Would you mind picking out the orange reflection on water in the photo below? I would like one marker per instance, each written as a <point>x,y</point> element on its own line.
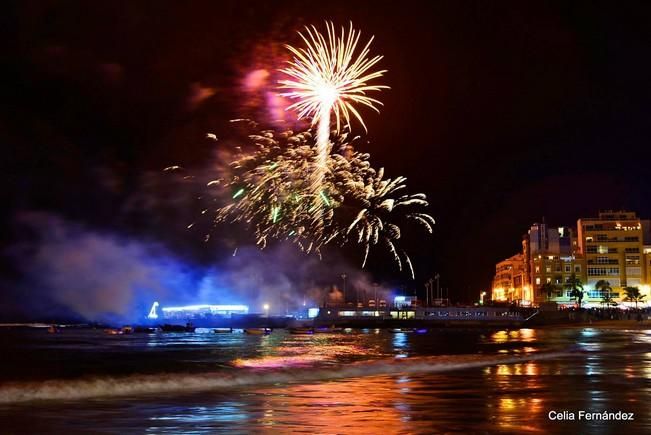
<point>629,372</point>
<point>529,369</point>
<point>348,406</point>
<point>508,404</point>
<point>299,351</point>
<point>512,411</point>
<point>524,334</point>
<point>527,334</point>
<point>269,362</point>
<point>330,350</point>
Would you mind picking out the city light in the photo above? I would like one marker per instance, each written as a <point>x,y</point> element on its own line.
<point>152,313</point>
<point>499,294</point>
<point>214,309</point>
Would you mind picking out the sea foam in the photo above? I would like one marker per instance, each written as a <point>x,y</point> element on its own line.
<point>135,385</point>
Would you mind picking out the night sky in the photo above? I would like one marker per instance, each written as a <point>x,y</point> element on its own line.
<point>501,112</point>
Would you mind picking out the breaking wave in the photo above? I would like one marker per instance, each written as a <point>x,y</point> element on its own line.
<point>186,383</point>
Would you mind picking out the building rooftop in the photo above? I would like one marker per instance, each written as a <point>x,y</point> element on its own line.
<point>610,215</point>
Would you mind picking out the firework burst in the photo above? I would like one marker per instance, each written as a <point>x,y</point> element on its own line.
<point>292,186</point>
<point>267,188</point>
<point>330,75</point>
<point>381,202</point>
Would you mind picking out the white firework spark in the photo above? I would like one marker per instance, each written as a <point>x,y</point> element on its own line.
<point>329,75</point>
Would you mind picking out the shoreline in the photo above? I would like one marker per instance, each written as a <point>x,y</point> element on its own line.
<point>605,324</point>
<point>597,324</point>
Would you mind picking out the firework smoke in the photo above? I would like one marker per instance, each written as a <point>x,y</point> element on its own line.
<point>267,187</point>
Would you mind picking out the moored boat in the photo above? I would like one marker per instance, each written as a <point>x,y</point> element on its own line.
<point>178,328</point>
<point>144,330</point>
<point>113,331</point>
<point>301,330</point>
<point>327,329</point>
<point>257,331</point>
<point>408,330</point>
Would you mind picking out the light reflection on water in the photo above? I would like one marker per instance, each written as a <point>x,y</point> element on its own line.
<point>611,370</point>
<point>523,335</point>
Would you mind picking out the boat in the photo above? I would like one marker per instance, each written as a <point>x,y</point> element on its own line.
<point>222,330</point>
<point>328,329</point>
<point>257,331</point>
<point>178,328</point>
<point>301,330</point>
<point>113,331</point>
<point>408,330</point>
<point>143,330</point>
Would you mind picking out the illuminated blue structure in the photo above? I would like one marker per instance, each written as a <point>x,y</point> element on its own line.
<point>196,311</point>
<point>153,315</point>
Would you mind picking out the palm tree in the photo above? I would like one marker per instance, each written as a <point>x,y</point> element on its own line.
<point>549,289</point>
<point>606,299</point>
<point>604,286</point>
<point>574,285</point>
<point>633,295</point>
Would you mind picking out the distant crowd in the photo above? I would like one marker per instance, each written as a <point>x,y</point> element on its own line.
<point>640,314</point>
<point>611,313</point>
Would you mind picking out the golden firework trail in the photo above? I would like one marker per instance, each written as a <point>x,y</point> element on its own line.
<point>330,75</point>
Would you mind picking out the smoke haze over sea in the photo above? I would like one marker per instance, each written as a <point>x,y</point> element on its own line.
<point>69,269</point>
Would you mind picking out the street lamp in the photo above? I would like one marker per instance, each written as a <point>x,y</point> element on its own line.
<point>344,276</point>
<point>266,309</point>
<point>429,295</point>
<point>375,284</point>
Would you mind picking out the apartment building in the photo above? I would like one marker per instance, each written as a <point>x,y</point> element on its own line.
<point>615,247</point>
<point>509,280</point>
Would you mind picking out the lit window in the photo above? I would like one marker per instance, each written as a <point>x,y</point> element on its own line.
<point>537,281</point>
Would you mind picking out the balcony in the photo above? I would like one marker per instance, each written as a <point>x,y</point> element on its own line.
<point>611,261</point>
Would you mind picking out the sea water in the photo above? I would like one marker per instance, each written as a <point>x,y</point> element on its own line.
<point>356,381</point>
